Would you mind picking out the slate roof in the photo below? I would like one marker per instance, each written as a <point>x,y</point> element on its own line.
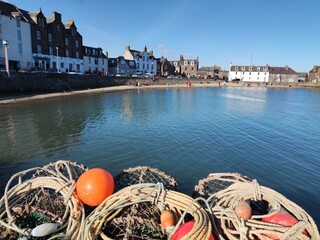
<point>10,10</point>
<point>315,69</point>
<point>136,53</point>
<point>281,70</point>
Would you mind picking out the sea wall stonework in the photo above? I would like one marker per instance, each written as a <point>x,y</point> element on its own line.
<point>26,83</point>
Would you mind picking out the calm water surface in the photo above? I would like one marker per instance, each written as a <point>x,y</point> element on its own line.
<point>268,134</point>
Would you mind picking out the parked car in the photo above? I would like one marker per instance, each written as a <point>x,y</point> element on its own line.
<point>236,80</point>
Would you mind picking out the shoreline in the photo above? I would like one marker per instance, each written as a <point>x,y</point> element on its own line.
<point>31,97</point>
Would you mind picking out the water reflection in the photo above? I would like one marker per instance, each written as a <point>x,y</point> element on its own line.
<point>266,134</point>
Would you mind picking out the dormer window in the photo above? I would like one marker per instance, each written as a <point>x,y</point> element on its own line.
<point>243,68</point>
<point>192,63</point>
<point>258,68</point>
<point>58,27</point>
<point>185,63</point>
<point>250,68</point>
<point>236,68</point>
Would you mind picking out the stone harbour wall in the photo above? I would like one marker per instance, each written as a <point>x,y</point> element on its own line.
<point>25,83</point>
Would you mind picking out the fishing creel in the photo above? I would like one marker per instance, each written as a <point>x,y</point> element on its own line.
<point>142,223</point>
<point>144,174</point>
<point>42,195</point>
<point>265,203</point>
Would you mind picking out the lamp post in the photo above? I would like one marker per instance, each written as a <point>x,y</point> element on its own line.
<point>5,44</point>
<point>57,59</point>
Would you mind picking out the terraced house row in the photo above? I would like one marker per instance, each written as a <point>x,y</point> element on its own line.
<point>39,43</point>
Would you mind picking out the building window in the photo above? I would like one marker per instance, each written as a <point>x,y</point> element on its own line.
<point>50,51</point>
<point>67,53</point>
<point>185,68</point>
<point>39,48</point>
<point>258,68</point>
<point>77,43</point>
<point>236,68</point>
<point>102,60</point>
<point>243,68</point>
<point>58,27</point>
<point>192,63</point>
<point>89,60</point>
<point>38,35</point>
<point>77,54</point>
<point>73,32</point>
<point>50,37</point>
<point>20,48</point>
<point>67,41</point>
<point>19,34</point>
<point>62,65</point>
<point>175,63</point>
<point>185,63</point>
<point>18,21</point>
<point>96,61</point>
<point>250,68</point>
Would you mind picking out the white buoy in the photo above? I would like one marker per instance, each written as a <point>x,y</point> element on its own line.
<point>44,229</point>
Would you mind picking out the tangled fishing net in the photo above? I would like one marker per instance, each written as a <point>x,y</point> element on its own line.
<point>264,202</point>
<point>144,225</point>
<point>216,182</point>
<point>42,195</point>
<point>144,174</point>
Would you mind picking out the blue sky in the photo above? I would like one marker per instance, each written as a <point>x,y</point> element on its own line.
<point>274,32</point>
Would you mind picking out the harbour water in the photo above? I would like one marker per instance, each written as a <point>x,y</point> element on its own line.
<point>272,135</point>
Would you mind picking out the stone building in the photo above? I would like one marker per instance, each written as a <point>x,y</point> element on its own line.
<point>283,74</point>
<point>210,72</point>
<point>40,43</point>
<point>164,67</point>
<point>186,67</point>
<point>314,74</point>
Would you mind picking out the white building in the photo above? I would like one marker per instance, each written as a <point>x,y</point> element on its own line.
<point>145,62</point>
<point>17,31</point>
<point>94,60</point>
<point>249,73</point>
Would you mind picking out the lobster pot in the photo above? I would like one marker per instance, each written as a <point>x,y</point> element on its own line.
<point>38,196</point>
<point>266,204</point>
<point>144,174</point>
<point>134,213</point>
<point>64,169</point>
<point>216,182</point>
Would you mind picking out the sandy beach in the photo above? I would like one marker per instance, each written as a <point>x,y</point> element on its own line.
<point>32,97</point>
<point>23,98</point>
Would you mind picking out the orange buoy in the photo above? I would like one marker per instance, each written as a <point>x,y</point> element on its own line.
<point>283,219</point>
<point>167,219</point>
<point>243,210</point>
<point>94,186</point>
<point>184,229</point>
